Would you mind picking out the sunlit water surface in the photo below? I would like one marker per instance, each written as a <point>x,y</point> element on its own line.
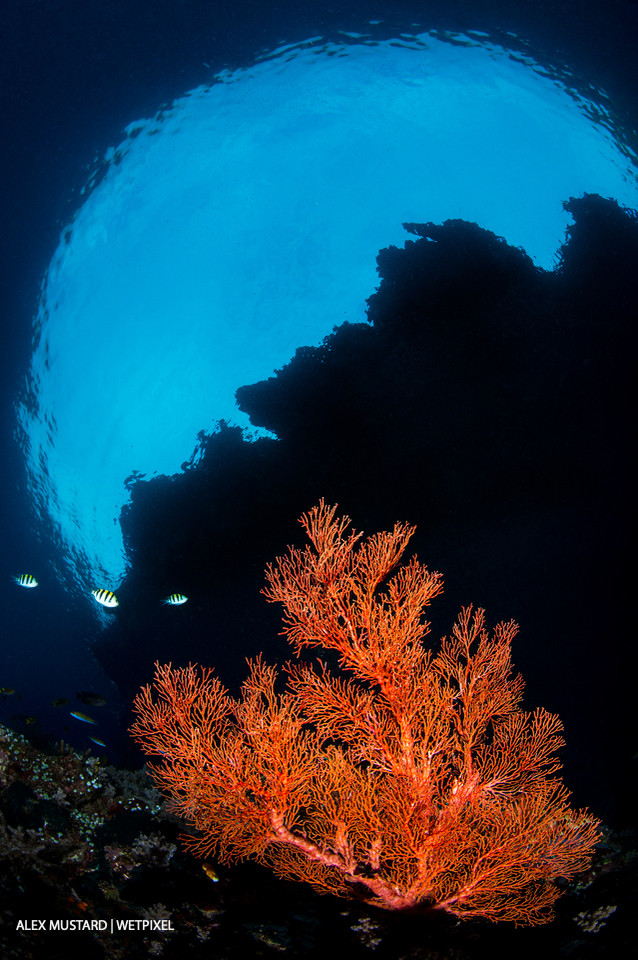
<point>245,220</point>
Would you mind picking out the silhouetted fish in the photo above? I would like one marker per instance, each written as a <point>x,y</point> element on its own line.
<point>91,699</point>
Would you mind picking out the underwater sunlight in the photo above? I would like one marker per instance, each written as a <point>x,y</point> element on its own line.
<point>244,220</point>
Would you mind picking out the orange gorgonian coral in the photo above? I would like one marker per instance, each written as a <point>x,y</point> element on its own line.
<point>401,776</point>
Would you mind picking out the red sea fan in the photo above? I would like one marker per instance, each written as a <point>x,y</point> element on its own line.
<point>407,779</point>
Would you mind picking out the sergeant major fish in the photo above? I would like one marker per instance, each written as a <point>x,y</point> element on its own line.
<point>26,580</point>
<point>106,597</point>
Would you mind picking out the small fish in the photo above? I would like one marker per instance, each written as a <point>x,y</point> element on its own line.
<point>7,691</point>
<point>60,702</point>
<point>96,740</point>
<point>26,580</point>
<point>81,716</point>
<point>210,872</point>
<point>30,720</point>
<point>91,699</point>
<point>175,599</point>
<point>106,597</point>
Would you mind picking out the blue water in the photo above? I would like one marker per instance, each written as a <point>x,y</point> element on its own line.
<point>244,221</point>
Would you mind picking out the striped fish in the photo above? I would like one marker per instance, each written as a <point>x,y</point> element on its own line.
<point>106,597</point>
<point>175,599</point>
<point>26,580</point>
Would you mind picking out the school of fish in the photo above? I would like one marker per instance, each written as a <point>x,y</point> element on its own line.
<point>106,598</point>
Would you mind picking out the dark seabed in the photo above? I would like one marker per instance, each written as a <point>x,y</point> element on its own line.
<point>447,341</point>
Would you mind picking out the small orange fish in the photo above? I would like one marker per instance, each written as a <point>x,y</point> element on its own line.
<point>210,872</point>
